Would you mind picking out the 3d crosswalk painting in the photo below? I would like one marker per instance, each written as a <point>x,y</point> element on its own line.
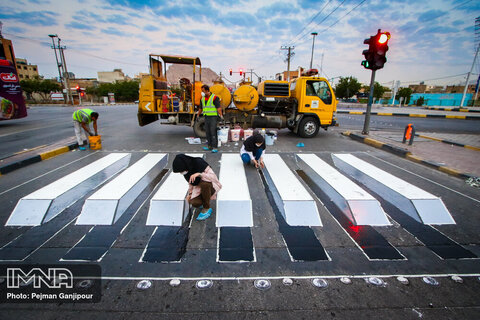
<point>115,202</point>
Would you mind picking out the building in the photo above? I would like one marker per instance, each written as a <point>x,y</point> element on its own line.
<point>294,74</point>
<point>25,70</point>
<point>176,72</point>
<point>111,76</point>
<point>6,49</point>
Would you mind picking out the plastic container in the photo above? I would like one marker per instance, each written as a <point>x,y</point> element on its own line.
<point>95,142</point>
<point>235,134</point>
<point>222,134</point>
<point>247,133</point>
<point>269,139</point>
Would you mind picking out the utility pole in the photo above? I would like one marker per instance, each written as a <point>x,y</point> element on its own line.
<point>468,77</point>
<point>289,55</point>
<point>53,36</point>
<point>321,66</point>
<point>313,46</point>
<point>65,71</point>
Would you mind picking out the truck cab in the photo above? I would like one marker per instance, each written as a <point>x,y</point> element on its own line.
<point>317,105</point>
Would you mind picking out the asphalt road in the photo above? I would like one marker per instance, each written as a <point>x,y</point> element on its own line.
<point>332,252</point>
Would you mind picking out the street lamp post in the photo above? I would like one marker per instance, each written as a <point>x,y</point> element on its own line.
<point>313,46</point>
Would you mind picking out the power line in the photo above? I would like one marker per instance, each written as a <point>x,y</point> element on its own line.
<point>75,50</point>
<point>321,10</point>
<point>293,42</point>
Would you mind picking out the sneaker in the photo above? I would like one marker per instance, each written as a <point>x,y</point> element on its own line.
<point>203,216</point>
<point>214,150</point>
<point>206,148</point>
<point>83,148</point>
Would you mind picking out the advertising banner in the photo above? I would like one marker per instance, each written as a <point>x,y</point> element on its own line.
<point>12,104</point>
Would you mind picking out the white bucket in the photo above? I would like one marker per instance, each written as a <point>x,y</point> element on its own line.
<point>269,139</point>
<point>222,134</point>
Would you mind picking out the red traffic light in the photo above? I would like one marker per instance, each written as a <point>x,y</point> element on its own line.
<point>78,88</point>
<point>231,72</point>
<point>241,72</point>
<point>383,37</point>
<point>82,93</point>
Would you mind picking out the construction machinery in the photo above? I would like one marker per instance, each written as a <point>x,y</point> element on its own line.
<point>304,105</point>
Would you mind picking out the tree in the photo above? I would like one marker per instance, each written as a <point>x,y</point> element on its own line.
<point>347,87</point>
<point>40,86</point>
<point>405,93</point>
<point>123,90</point>
<point>378,90</point>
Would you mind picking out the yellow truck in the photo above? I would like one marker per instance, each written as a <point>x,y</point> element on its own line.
<point>304,105</point>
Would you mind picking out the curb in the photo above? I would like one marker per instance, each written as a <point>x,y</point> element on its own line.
<point>452,109</point>
<point>414,115</point>
<point>407,155</point>
<point>37,158</point>
<point>448,142</point>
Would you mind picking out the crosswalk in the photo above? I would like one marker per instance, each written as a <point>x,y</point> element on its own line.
<point>362,198</point>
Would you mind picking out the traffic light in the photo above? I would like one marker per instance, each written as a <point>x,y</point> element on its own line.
<point>241,72</point>
<point>231,72</point>
<point>82,93</point>
<point>377,48</point>
<point>78,89</point>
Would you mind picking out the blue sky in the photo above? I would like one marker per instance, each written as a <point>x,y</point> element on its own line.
<point>430,38</point>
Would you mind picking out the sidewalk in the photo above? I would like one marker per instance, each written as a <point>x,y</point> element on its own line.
<point>381,110</point>
<point>460,161</point>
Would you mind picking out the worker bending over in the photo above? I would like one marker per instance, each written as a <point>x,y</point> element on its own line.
<point>202,181</point>
<point>82,119</point>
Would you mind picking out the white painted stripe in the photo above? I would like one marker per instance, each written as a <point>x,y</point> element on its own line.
<point>299,207</point>
<point>102,208</point>
<point>168,206</point>
<point>66,183</point>
<point>31,209</point>
<point>118,187</point>
<point>364,208</point>
<point>396,184</point>
<point>234,205</point>
<point>429,208</point>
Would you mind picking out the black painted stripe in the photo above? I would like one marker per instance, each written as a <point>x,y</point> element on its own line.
<point>235,244</point>
<point>301,242</point>
<point>167,244</point>
<point>373,244</point>
<point>392,203</point>
<point>98,241</point>
<point>19,164</point>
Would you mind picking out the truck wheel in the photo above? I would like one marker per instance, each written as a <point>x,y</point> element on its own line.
<point>199,128</point>
<point>308,127</point>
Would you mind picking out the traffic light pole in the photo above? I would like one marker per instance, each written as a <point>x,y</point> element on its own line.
<point>366,125</point>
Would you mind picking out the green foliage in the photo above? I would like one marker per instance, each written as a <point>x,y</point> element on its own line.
<point>347,87</point>
<point>405,93</point>
<point>420,101</point>
<point>125,91</point>
<point>40,86</point>
<point>378,90</point>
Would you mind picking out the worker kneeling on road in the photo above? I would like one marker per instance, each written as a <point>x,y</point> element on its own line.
<point>253,150</point>
<point>82,119</point>
<point>203,182</point>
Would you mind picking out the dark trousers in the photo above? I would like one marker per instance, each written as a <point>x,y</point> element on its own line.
<point>211,129</point>
<point>206,192</point>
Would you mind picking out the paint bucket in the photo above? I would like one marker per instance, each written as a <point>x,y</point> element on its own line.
<point>269,138</point>
<point>247,133</point>
<point>222,134</point>
<point>235,134</point>
<point>95,142</point>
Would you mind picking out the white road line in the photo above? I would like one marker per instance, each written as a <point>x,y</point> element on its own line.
<point>299,208</point>
<point>234,205</point>
<point>104,207</point>
<point>358,205</point>
<point>427,208</point>
<point>53,198</point>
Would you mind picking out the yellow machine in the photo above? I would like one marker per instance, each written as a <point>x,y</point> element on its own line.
<point>303,105</point>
